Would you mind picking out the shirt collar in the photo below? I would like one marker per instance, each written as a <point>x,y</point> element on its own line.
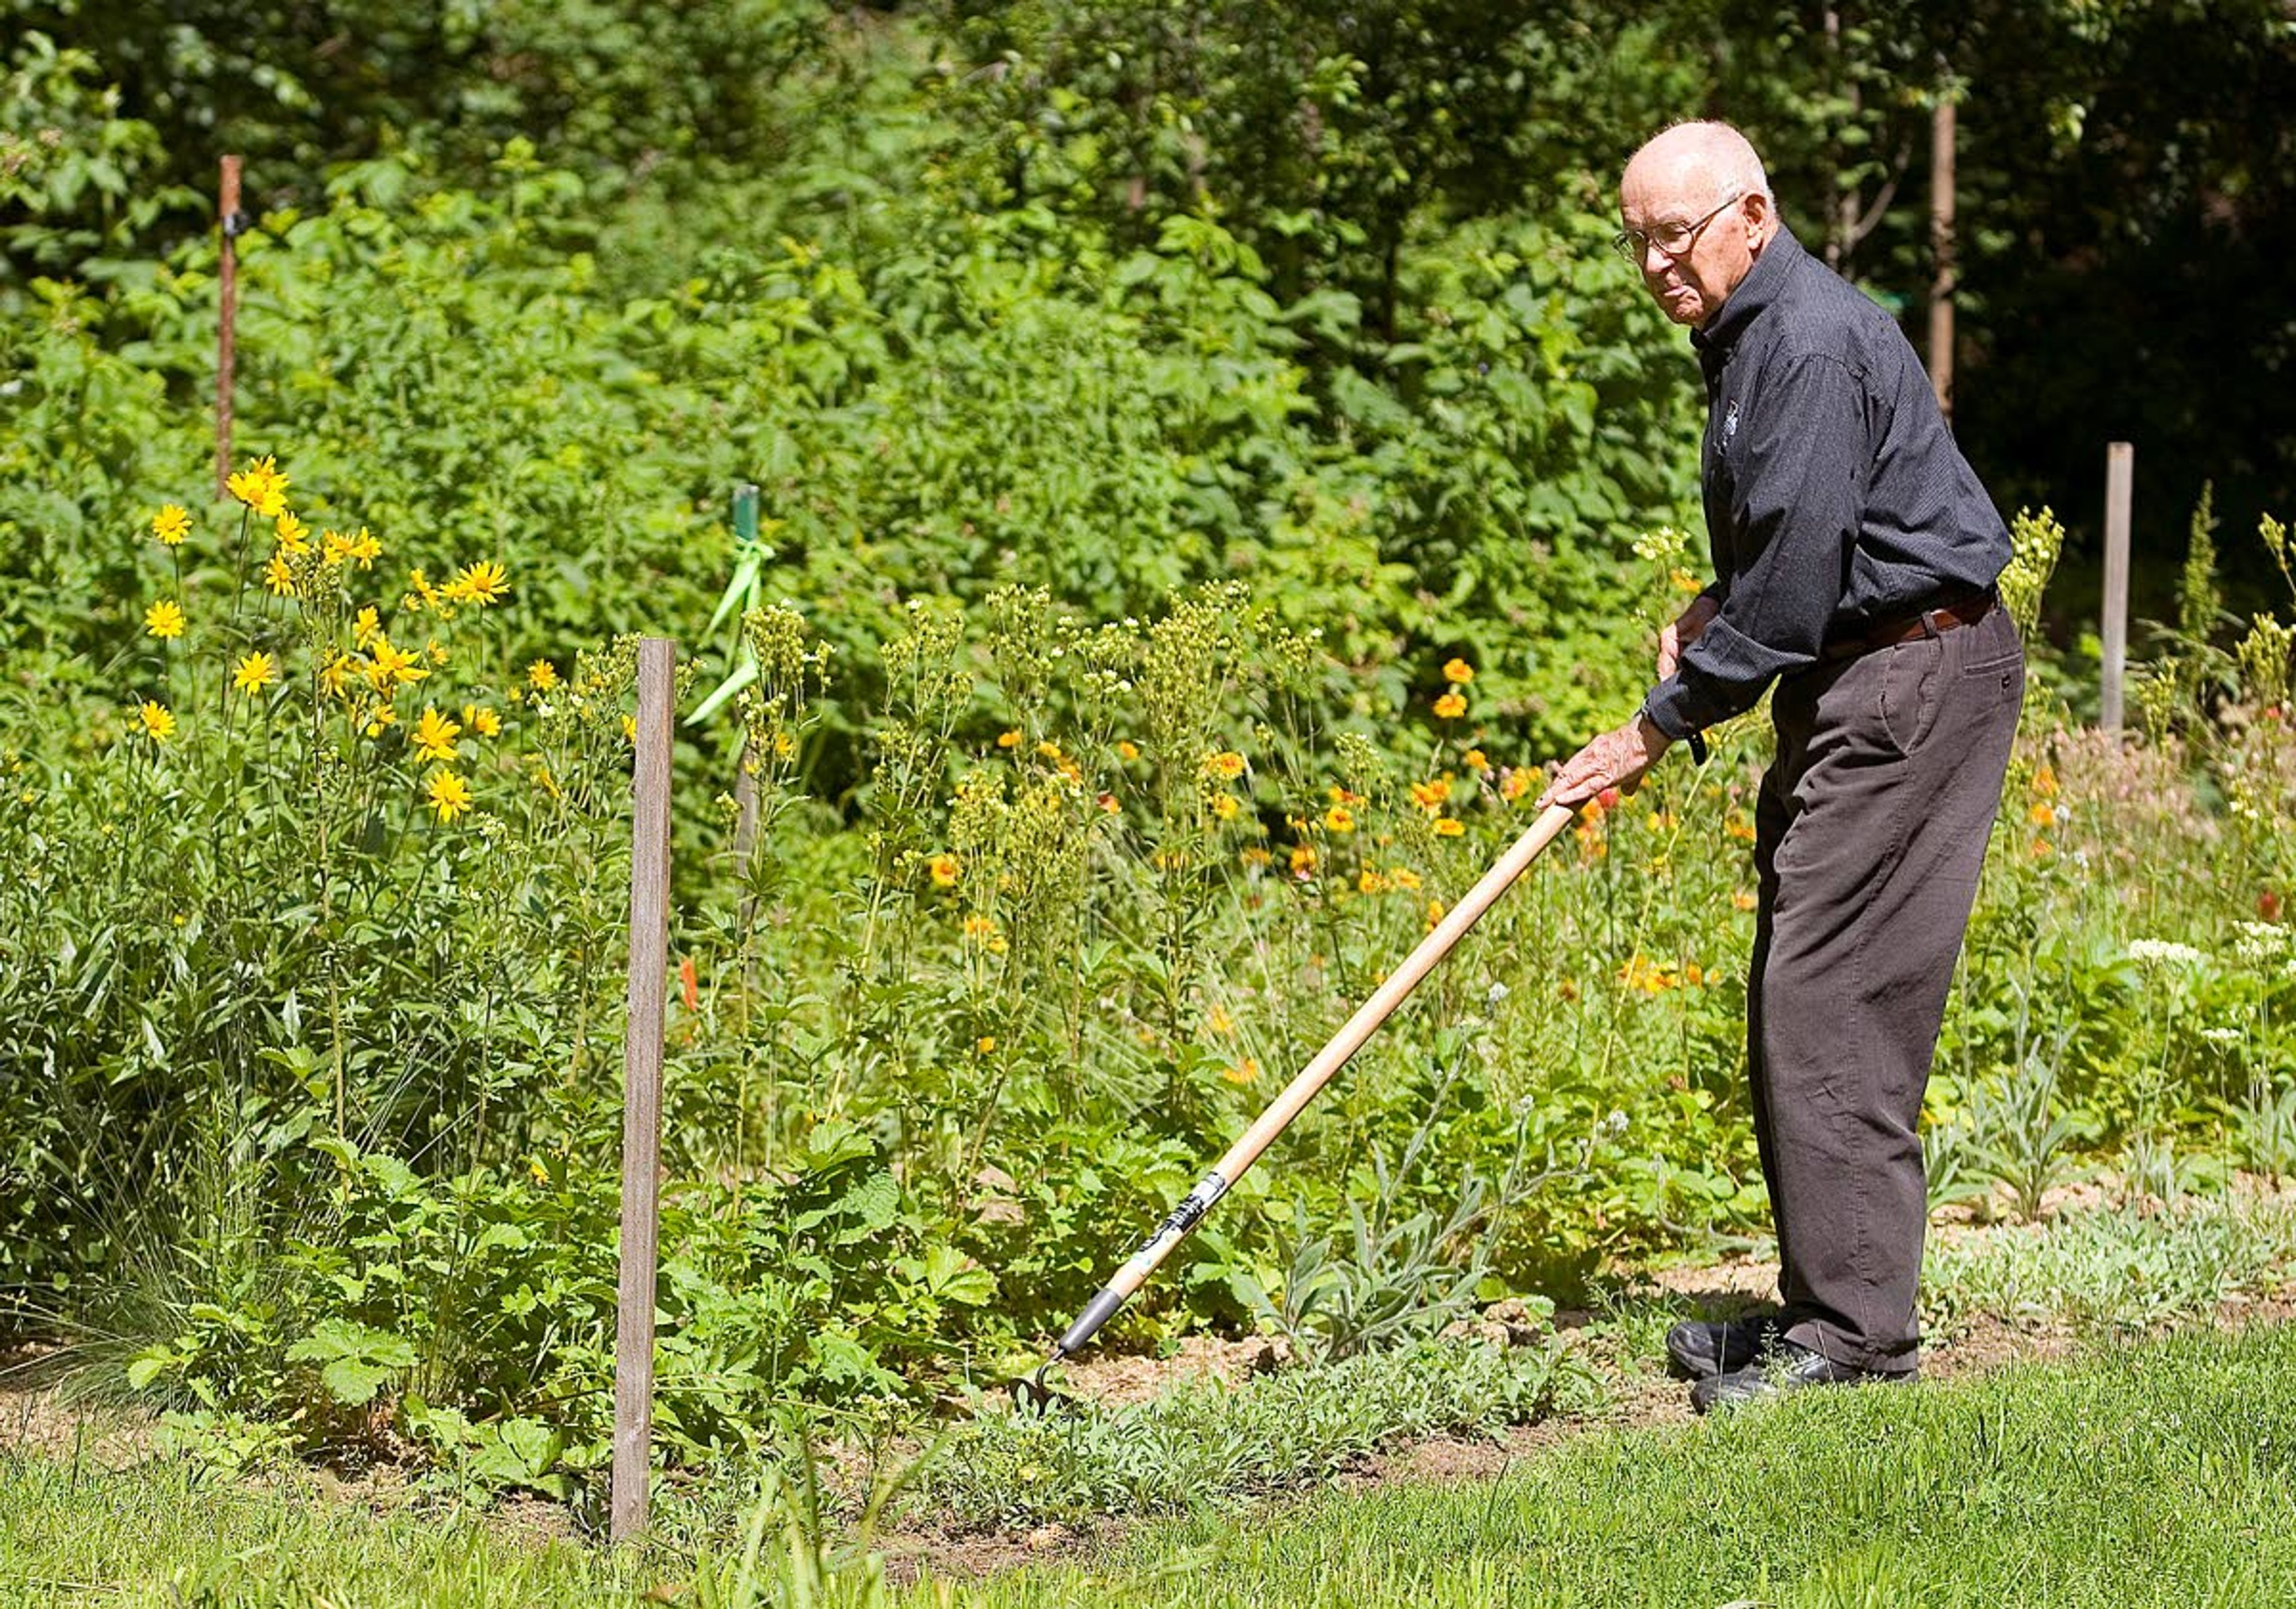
<point>1763,283</point>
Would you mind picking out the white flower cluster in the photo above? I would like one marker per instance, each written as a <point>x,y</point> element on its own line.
<point>2222,1035</point>
<point>2262,941</point>
<point>2166,952</point>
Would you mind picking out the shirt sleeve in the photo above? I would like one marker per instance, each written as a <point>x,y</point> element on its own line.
<point>1794,514</point>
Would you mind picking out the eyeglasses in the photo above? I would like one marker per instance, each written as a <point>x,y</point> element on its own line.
<point>1673,240</point>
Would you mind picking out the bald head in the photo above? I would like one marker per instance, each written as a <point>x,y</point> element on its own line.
<point>1698,213</point>
<point>1711,157</point>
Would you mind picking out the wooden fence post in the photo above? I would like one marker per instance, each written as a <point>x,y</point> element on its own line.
<point>2120,474</point>
<point>641,1058</point>
<point>227,318</point>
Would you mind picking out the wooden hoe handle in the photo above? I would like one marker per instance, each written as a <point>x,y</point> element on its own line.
<point>1302,1088</point>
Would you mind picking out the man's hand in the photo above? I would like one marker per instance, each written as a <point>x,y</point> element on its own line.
<point>1685,630</point>
<point>1616,760</point>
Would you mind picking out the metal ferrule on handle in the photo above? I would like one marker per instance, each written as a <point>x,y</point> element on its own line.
<point>1328,1060</point>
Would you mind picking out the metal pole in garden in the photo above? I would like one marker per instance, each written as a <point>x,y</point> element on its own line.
<point>227,296</point>
<point>745,783</point>
<point>2120,475</point>
<point>642,1056</point>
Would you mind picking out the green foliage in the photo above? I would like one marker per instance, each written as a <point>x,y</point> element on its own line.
<point>1201,1444</point>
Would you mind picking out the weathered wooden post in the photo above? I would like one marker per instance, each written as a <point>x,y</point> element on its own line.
<point>641,1058</point>
<point>227,309</point>
<point>2120,474</point>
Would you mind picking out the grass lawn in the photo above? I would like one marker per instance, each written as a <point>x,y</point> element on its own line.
<point>2157,1473</point>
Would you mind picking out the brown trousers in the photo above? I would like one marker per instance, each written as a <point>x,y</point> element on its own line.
<point>1870,833</point>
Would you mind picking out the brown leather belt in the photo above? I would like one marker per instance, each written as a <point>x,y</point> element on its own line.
<point>1929,622</point>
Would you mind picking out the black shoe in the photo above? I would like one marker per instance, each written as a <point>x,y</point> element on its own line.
<point>1700,1351</point>
<point>1794,1367</point>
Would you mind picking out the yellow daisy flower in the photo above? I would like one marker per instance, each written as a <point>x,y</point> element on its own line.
<point>254,673</point>
<point>171,524</point>
<point>434,735</point>
<point>482,721</point>
<point>1451,706</point>
<point>542,675</point>
<point>483,583</point>
<point>945,870</point>
<point>279,576</point>
<point>1458,672</point>
<point>158,722</point>
<point>164,619</point>
<point>448,794</point>
<point>1446,827</point>
<point>294,535</point>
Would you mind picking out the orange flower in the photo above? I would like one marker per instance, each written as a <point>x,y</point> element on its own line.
<point>1451,706</point>
<point>1448,827</point>
<point>945,869</point>
<point>1458,673</point>
<point>1339,818</point>
<point>1430,795</point>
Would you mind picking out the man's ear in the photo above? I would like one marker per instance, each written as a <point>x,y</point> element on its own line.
<point>1760,225</point>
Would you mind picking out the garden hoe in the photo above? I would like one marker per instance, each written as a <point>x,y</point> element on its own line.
<point>1334,1055</point>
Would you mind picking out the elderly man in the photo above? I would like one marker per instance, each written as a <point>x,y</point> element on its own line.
<point>1855,556</point>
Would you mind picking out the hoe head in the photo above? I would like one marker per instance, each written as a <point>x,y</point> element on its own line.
<point>1031,1394</point>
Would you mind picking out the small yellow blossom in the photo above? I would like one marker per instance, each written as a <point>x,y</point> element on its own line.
<point>448,794</point>
<point>2044,781</point>
<point>980,929</point>
<point>1458,672</point>
<point>1451,706</point>
<point>1515,784</point>
<point>164,619</point>
<point>254,673</point>
<point>542,675</point>
<point>1227,765</point>
<point>1225,806</point>
<point>366,627</point>
<point>279,576</point>
<point>1303,860</point>
<point>380,717</point>
<point>1219,1021</point>
<point>630,730</point>
<point>294,535</point>
<point>391,668</point>
<point>945,868</point>
<point>1403,877</point>
<point>1339,818</point>
<point>2042,814</point>
<point>1430,795</point>
<point>159,721</point>
<point>1126,750</point>
<point>1476,760</point>
<point>261,487</point>
<point>986,1044</point>
<point>1448,827</point>
<point>1742,899</point>
<point>434,735</point>
<point>1368,881</point>
<point>436,650</point>
<point>1050,751</point>
<point>335,674</point>
<point>171,524</point>
<point>1253,857</point>
<point>484,583</point>
<point>482,721</point>
<point>1243,1071</point>
<point>1008,739</point>
<point>1434,912</point>
<point>363,548</point>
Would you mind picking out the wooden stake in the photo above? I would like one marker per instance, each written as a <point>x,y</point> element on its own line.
<point>641,1059</point>
<point>1941,244</point>
<point>2119,478</point>
<point>227,297</point>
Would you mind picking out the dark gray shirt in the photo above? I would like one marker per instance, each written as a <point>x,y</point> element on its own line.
<point>1836,501</point>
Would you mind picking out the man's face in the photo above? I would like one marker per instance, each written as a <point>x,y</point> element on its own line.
<point>1662,202</point>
